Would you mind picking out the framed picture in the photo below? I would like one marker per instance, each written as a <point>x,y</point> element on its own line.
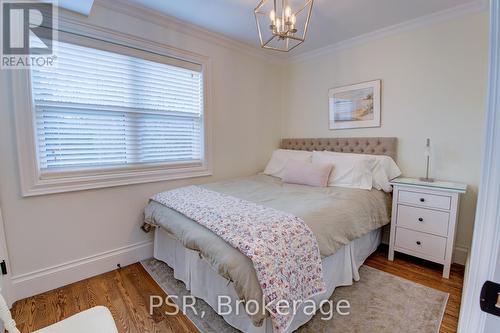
<point>355,106</point>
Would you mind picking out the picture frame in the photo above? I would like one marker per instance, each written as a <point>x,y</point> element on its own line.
<point>355,106</point>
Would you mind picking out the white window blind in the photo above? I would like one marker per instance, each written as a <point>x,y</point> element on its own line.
<point>100,109</point>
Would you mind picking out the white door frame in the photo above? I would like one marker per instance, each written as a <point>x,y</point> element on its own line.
<point>486,238</point>
<point>6,286</point>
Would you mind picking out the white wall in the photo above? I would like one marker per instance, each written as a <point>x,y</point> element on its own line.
<point>434,81</point>
<point>433,85</point>
<point>55,239</point>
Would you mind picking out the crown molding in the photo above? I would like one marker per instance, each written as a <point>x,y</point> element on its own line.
<point>441,16</point>
<point>127,8</point>
<point>133,10</point>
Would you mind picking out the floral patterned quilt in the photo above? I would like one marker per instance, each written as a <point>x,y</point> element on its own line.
<point>281,246</point>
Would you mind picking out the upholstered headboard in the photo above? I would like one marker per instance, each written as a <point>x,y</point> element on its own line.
<point>374,146</point>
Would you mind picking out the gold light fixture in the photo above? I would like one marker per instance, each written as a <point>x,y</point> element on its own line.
<point>282,24</point>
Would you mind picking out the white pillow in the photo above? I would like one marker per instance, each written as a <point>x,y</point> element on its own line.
<point>349,170</point>
<point>382,167</point>
<point>384,170</point>
<point>280,157</point>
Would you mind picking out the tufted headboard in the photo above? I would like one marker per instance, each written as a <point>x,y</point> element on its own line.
<point>375,145</point>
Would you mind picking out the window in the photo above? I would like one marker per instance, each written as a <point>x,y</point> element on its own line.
<point>115,115</point>
<point>99,109</point>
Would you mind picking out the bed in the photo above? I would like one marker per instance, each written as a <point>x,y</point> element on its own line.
<point>346,223</point>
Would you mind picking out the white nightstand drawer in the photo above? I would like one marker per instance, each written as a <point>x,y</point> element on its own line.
<point>433,246</point>
<point>422,219</point>
<point>425,199</point>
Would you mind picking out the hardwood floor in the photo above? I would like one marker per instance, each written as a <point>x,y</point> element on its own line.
<point>126,293</point>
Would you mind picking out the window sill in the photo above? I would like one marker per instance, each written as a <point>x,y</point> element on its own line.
<point>52,185</point>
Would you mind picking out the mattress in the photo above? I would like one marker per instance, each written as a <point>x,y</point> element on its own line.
<point>335,215</point>
<point>200,278</point>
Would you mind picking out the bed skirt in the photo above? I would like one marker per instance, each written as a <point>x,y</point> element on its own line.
<point>340,269</point>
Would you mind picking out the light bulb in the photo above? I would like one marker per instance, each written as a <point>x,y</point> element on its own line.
<point>278,24</point>
<point>272,15</point>
<point>293,19</point>
<point>288,11</point>
<point>427,151</point>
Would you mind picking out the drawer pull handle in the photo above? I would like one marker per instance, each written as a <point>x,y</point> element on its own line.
<point>422,200</point>
<point>420,219</point>
<point>419,243</point>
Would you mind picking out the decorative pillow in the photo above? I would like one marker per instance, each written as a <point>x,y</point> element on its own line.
<point>306,173</point>
<point>280,157</point>
<point>350,170</point>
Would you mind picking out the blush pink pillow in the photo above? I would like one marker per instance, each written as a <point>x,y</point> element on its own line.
<point>306,173</point>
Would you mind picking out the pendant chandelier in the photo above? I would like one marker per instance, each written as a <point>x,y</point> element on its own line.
<point>282,24</point>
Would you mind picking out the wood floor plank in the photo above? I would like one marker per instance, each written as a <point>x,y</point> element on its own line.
<point>126,292</point>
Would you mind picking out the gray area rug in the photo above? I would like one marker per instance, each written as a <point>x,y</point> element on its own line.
<point>379,302</point>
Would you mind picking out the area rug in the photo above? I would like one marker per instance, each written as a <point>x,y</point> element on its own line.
<point>379,302</point>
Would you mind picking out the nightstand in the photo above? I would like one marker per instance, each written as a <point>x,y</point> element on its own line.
<point>424,217</point>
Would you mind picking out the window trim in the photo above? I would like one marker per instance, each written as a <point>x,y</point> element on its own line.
<point>34,183</point>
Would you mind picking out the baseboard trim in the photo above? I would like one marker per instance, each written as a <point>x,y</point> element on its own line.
<point>36,282</point>
<point>460,255</point>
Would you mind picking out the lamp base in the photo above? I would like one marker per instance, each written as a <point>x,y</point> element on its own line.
<point>427,180</point>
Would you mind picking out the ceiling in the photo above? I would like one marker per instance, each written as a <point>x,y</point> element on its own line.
<point>81,6</point>
<point>332,21</point>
